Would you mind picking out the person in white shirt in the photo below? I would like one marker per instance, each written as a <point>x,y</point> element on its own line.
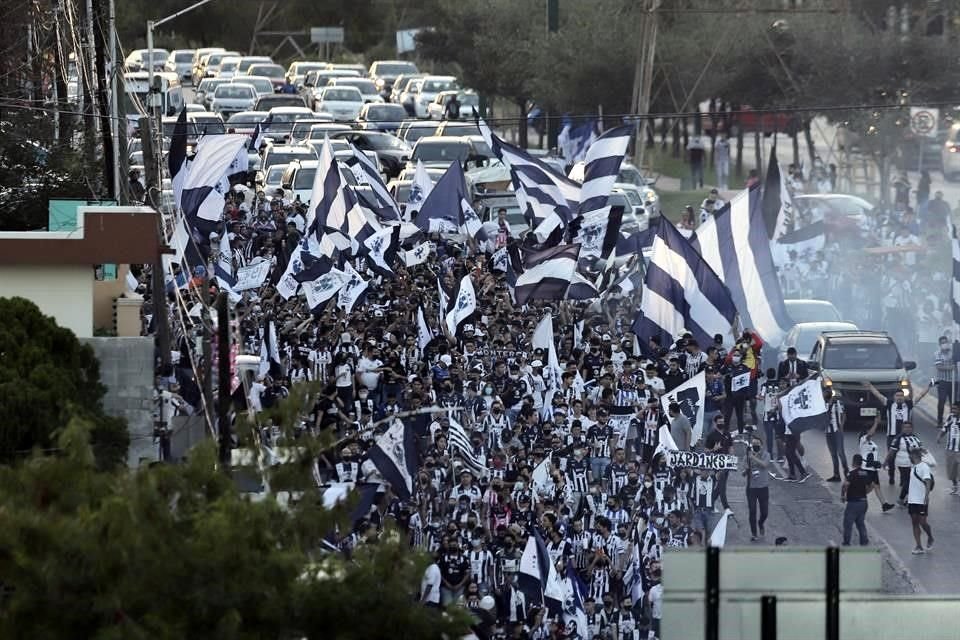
<point>368,368</point>
<point>256,391</point>
<point>918,499</point>
<point>430,586</point>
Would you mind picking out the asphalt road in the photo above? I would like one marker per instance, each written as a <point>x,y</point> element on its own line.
<point>937,572</point>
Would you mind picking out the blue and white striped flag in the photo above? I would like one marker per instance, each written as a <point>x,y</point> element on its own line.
<point>177,156</point>
<point>735,245</point>
<point>395,456</point>
<point>602,167</point>
<point>547,274</point>
<point>541,191</point>
<point>955,282</point>
<point>223,269</point>
<point>365,171</point>
<point>334,210</point>
<point>442,211</point>
<point>574,141</point>
<point>256,139</point>
<point>205,183</point>
<point>682,293</point>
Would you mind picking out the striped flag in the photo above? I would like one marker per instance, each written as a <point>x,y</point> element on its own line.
<point>395,456</point>
<point>581,288</point>
<point>573,141</point>
<point>682,293</point>
<point>547,274</point>
<point>442,211</point>
<point>955,282</point>
<point>461,443</point>
<point>223,269</point>
<point>537,577</point>
<point>352,291</point>
<point>808,239</point>
<point>335,211</point>
<point>269,351</point>
<point>366,172</point>
<point>205,183</point>
<point>735,246</point>
<point>777,201</point>
<point>540,190</point>
<point>177,156</point>
<point>602,167</point>
<point>381,249</point>
<point>256,139</point>
<point>599,231</point>
<point>424,334</point>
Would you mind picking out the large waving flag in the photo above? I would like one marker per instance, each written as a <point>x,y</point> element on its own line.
<point>336,211</point>
<point>574,611</point>
<point>735,246</point>
<point>777,201</point>
<point>547,274</point>
<point>574,141</point>
<point>540,190</point>
<point>682,293</point>
<point>381,249</point>
<point>353,289</point>
<point>461,443</point>
<point>420,189</point>
<point>602,167</point>
<point>366,172</point>
<point>464,305</point>
<point>537,577</point>
<point>955,281</point>
<point>206,183</point>
<point>442,211</point>
<point>177,156</point>
<point>321,289</point>
<point>395,456</point>
<point>804,408</point>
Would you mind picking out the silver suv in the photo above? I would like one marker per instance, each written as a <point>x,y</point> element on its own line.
<point>848,359</point>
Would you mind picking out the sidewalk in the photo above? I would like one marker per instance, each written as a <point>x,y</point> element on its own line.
<point>808,515</point>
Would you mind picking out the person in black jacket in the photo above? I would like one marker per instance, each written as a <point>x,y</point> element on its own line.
<point>792,369</point>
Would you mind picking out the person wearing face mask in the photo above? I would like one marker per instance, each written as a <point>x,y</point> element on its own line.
<point>755,467</point>
<point>348,469</point>
<point>735,401</point>
<point>704,486</point>
<point>481,563</point>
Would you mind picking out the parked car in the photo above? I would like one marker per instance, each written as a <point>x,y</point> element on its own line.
<point>299,69</point>
<point>301,128</point>
<point>228,67</point>
<point>366,87</point>
<point>806,310</point>
<point>180,61</point>
<point>199,57</point>
<point>262,84</point>
<point>440,152</point>
<point>635,216</point>
<point>204,124</point>
<point>391,150</point>
<point>449,128</point>
<point>137,60</point>
<point>316,81</point>
<point>384,72</point>
<point>343,102</point>
<point>803,335</point>
<point>842,214</point>
<point>233,98</point>
<point>430,86</point>
<point>204,91</point>
<point>248,61</point>
<point>381,117</point>
<point>245,121</point>
<point>268,70</point>
<point>274,100</point>
<point>212,66</point>
<point>279,122</point>
<point>271,179</point>
<point>274,154</point>
<point>299,175</point>
<point>848,359</point>
<point>409,95</point>
<point>412,130</point>
<point>437,110</point>
<point>400,84</point>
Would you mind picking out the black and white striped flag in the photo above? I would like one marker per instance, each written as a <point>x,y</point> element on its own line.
<point>547,274</point>
<point>955,283</point>
<point>461,443</point>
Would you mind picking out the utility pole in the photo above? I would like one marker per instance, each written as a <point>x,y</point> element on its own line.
<point>643,75</point>
<point>114,111</point>
<point>207,348</point>
<point>223,380</point>
<point>553,25</point>
<point>106,129</point>
<point>151,168</point>
<point>91,55</point>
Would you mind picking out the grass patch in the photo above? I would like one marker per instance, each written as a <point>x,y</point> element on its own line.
<point>673,202</point>
<point>661,161</point>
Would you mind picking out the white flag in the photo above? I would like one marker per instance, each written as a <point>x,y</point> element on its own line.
<point>424,335</point>
<point>417,255</point>
<point>666,442</point>
<point>540,479</point>
<point>324,287</point>
<point>543,339</point>
<point>352,290</point>
<point>131,281</point>
<point>252,276</point>
<point>803,407</point>
<point>444,303</point>
<point>464,306</point>
<point>690,396</point>
<point>499,260</point>
<point>719,536</point>
<point>419,190</point>
<point>741,381</point>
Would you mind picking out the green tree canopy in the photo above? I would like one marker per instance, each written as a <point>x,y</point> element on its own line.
<point>47,377</point>
<point>174,552</point>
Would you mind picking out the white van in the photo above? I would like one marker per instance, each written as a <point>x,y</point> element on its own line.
<point>137,89</point>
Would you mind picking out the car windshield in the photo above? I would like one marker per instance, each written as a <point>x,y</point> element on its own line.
<point>394,68</point>
<point>265,103</point>
<point>384,141</point>
<point>633,197</point>
<point>262,85</point>
<point>461,129</point>
<point>286,157</point>
<point>441,152</point>
<point>275,173</point>
<point>159,55</point>
<point>246,64</point>
<point>320,132</point>
<point>880,355</point>
<point>382,112</point>
<point>630,175</point>
<point>434,86</point>
<point>234,91</point>
<point>268,70</point>
<point>281,118</point>
<point>811,312</point>
<point>183,56</point>
<point>245,118</point>
<point>365,86</point>
<point>229,66</point>
<point>209,126</point>
<point>304,178</point>
<point>342,95</point>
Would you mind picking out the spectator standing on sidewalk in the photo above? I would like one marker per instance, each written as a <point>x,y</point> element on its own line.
<point>855,490</point>
<point>756,465</point>
<point>834,434</point>
<point>951,429</point>
<point>918,500</point>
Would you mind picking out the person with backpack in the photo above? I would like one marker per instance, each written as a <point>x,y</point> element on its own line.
<point>918,499</point>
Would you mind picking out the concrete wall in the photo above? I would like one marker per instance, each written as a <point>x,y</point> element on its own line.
<point>63,292</point>
<point>126,368</point>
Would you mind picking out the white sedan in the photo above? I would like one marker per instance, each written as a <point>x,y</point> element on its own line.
<point>343,102</point>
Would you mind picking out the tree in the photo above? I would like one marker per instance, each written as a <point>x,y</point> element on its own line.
<point>173,552</point>
<point>47,378</point>
<point>494,43</point>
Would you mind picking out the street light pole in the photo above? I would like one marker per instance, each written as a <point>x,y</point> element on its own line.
<point>153,24</point>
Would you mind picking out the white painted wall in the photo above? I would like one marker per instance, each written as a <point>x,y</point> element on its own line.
<point>64,292</point>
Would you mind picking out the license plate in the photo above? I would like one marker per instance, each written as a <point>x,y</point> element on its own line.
<point>868,412</point>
